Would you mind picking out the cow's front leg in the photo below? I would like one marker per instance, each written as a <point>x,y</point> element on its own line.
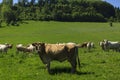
<point>48,67</point>
<point>73,64</point>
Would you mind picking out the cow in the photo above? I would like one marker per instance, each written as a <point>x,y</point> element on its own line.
<point>20,48</point>
<point>59,52</point>
<point>84,45</point>
<point>4,47</point>
<point>115,46</point>
<point>31,48</point>
<point>88,45</point>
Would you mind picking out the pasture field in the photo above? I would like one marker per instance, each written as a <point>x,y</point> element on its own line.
<point>95,65</point>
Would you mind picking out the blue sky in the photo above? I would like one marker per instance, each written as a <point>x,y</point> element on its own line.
<point>115,3</point>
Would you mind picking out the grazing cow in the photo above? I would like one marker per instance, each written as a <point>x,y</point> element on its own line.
<point>59,52</point>
<point>115,46</point>
<point>88,45</point>
<point>84,45</point>
<point>31,48</point>
<point>20,48</point>
<point>19,45</point>
<point>4,47</point>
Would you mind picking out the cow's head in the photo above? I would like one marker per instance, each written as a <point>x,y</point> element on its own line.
<point>102,44</point>
<point>39,46</point>
<point>9,45</point>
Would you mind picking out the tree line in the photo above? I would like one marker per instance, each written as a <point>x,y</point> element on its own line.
<point>58,10</point>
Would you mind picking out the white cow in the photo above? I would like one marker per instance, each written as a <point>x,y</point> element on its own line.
<point>31,48</point>
<point>90,45</point>
<point>4,47</point>
<point>20,48</point>
<point>115,46</point>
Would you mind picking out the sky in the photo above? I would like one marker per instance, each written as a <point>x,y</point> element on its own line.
<point>115,3</point>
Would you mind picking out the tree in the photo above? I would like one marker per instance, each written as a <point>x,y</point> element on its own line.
<point>117,15</point>
<point>8,15</point>
<point>106,9</point>
<point>23,3</point>
<point>5,12</point>
<point>32,2</point>
<point>41,3</point>
<point>8,2</point>
<point>62,10</point>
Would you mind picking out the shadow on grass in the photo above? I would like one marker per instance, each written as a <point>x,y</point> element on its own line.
<point>59,70</point>
<point>1,55</point>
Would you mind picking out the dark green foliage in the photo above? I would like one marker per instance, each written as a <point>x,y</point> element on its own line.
<point>8,12</point>
<point>65,10</point>
<point>104,8</point>
<point>117,15</point>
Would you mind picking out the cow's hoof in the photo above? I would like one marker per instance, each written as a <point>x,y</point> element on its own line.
<point>73,71</point>
<point>50,72</point>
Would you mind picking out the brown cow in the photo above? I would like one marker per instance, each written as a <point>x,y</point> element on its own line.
<point>59,52</point>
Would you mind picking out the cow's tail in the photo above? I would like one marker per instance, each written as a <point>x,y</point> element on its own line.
<point>78,60</point>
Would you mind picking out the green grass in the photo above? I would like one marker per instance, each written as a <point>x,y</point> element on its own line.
<point>95,65</point>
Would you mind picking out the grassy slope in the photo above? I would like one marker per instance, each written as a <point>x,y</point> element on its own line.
<point>97,65</point>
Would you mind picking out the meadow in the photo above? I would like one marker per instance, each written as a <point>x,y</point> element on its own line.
<point>95,65</point>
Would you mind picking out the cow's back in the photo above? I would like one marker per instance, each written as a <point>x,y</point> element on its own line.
<point>54,48</point>
<point>56,52</point>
